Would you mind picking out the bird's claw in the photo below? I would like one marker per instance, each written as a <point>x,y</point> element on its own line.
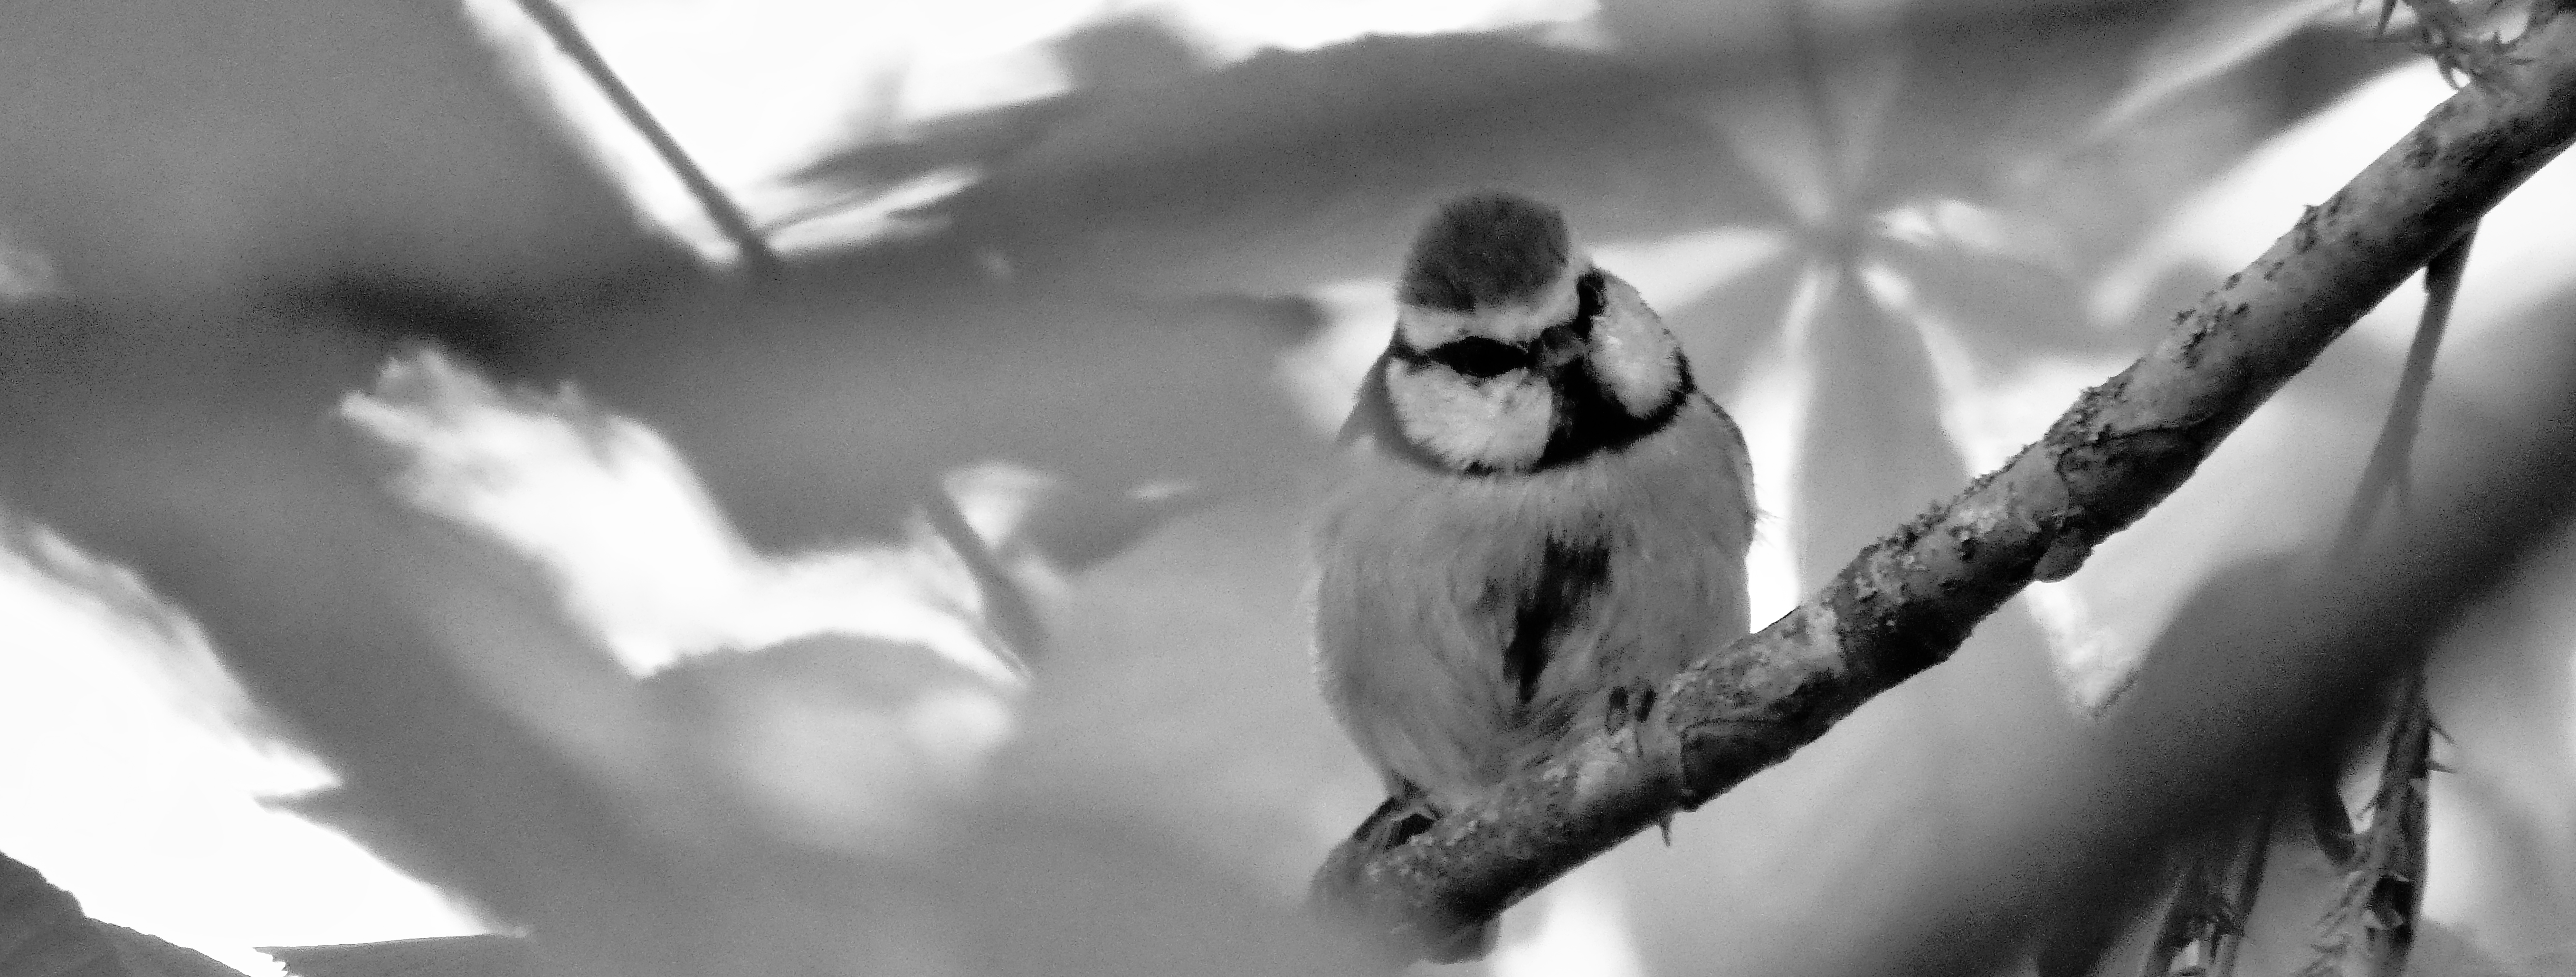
<point>1627,708</point>
<point>1397,821</point>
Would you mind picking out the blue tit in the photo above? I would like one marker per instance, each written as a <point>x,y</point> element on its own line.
<point>1535,518</point>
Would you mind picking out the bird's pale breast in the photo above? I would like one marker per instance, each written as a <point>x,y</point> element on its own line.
<point>1469,624</point>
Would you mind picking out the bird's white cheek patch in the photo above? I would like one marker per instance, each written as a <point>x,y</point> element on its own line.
<point>1632,354</point>
<point>1502,422</point>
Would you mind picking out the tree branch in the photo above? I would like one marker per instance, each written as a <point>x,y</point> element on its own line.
<point>2269,666</point>
<point>1908,601</point>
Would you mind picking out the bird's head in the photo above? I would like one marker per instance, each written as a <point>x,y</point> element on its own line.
<point>1512,352</point>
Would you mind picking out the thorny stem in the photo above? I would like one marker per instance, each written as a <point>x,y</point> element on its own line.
<point>2205,927</point>
<point>2383,890</point>
<point>2384,880</point>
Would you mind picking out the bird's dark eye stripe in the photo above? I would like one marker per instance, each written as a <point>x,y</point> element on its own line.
<point>1477,356</point>
<point>1484,357</point>
<point>1588,302</point>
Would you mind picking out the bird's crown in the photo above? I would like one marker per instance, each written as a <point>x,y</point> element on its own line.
<point>1483,250</point>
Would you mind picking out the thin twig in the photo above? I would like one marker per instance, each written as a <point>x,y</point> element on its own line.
<point>1008,614</point>
<point>729,217</point>
<point>2385,476</point>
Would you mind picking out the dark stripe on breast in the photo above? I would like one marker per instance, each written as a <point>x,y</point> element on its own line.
<point>1569,573</point>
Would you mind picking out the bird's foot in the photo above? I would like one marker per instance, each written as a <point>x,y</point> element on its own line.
<point>1627,709</point>
<point>1397,821</point>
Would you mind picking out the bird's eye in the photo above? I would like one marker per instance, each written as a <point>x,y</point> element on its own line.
<point>1477,356</point>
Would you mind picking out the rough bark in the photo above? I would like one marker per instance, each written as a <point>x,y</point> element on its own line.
<point>1908,601</point>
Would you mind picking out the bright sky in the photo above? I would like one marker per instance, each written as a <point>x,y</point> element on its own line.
<point>147,792</point>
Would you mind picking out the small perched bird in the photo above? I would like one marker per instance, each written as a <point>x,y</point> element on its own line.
<point>1536,518</point>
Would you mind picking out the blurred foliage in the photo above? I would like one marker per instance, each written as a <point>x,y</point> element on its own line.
<point>250,203</point>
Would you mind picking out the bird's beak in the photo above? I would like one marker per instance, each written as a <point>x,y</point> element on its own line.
<point>1558,346</point>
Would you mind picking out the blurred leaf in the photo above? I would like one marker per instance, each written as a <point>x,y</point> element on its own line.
<point>1102,59</point>
<point>1972,107</point>
<point>834,741</point>
<point>1858,117</point>
<point>2084,209</point>
<point>963,139</point>
<point>172,144</point>
<point>2205,40</point>
<point>2005,309</point>
<point>1982,110</point>
<point>1183,684</point>
<point>437,677</point>
<point>1075,526</point>
<point>1873,452</point>
<point>1048,888</point>
<point>818,411</point>
<point>433,674</point>
<point>1261,176</point>
<point>1736,330</point>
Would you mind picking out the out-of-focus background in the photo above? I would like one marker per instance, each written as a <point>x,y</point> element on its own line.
<point>431,510</point>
